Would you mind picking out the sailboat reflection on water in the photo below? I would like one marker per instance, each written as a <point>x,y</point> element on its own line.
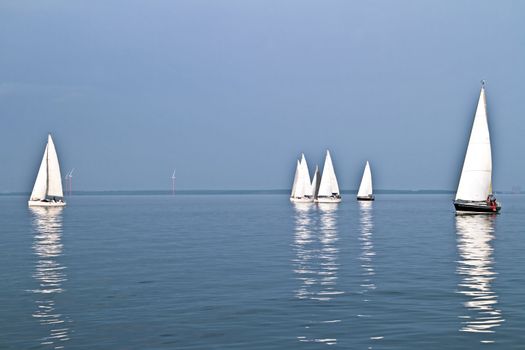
<point>49,274</point>
<point>475,266</point>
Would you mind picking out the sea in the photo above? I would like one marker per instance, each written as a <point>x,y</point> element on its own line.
<point>254,271</point>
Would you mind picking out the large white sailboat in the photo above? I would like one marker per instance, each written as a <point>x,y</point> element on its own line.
<point>365,192</point>
<point>328,188</point>
<point>302,187</point>
<point>474,192</point>
<point>47,191</point>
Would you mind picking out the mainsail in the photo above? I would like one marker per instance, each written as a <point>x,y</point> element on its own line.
<point>328,186</point>
<point>365,189</point>
<point>306,185</point>
<point>476,176</point>
<point>54,179</point>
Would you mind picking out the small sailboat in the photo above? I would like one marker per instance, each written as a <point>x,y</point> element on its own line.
<point>474,192</point>
<point>328,188</point>
<point>47,191</point>
<point>302,187</point>
<point>365,189</point>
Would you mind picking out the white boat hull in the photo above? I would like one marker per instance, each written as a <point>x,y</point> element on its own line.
<point>301,200</point>
<point>46,204</point>
<point>328,200</point>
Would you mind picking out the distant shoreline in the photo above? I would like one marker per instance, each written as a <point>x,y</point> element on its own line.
<point>232,192</point>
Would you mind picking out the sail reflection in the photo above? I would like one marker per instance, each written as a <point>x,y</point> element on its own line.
<point>303,240</point>
<point>49,274</point>
<point>367,247</point>
<point>475,235</point>
<point>315,264</point>
<point>328,257</point>
<point>366,257</point>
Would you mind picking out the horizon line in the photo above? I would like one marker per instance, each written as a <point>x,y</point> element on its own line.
<point>240,191</point>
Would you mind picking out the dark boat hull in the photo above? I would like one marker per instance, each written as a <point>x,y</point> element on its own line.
<point>365,198</point>
<point>466,207</point>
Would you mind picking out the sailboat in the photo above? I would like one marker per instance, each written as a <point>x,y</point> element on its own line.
<point>328,188</point>
<point>474,192</point>
<point>47,191</point>
<point>365,189</point>
<point>302,187</point>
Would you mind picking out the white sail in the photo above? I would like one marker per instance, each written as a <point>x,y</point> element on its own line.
<point>476,176</point>
<point>39,190</point>
<point>328,185</point>
<point>365,189</point>
<point>306,185</point>
<point>315,182</point>
<point>296,178</point>
<point>54,179</point>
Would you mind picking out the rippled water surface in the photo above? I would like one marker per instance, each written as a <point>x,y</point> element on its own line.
<point>256,272</point>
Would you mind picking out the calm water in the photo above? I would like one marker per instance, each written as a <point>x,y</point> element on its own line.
<point>256,272</point>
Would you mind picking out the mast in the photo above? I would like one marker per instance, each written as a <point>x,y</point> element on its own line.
<point>47,166</point>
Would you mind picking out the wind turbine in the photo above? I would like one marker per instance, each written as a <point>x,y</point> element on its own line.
<point>173,182</point>
<point>70,175</point>
<point>69,180</point>
<point>66,180</point>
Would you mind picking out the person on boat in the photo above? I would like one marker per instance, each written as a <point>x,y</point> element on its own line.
<point>491,201</point>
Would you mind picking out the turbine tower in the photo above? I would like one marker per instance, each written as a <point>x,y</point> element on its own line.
<point>66,184</point>
<point>173,182</point>
<point>69,182</point>
<point>70,175</point>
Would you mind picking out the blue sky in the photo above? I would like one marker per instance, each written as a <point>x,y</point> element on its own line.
<point>231,92</point>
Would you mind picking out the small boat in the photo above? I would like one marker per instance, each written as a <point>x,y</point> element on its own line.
<point>365,189</point>
<point>47,191</point>
<point>474,194</point>
<point>302,187</point>
<point>328,188</point>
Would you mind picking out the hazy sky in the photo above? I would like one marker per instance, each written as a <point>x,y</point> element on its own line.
<point>231,92</point>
